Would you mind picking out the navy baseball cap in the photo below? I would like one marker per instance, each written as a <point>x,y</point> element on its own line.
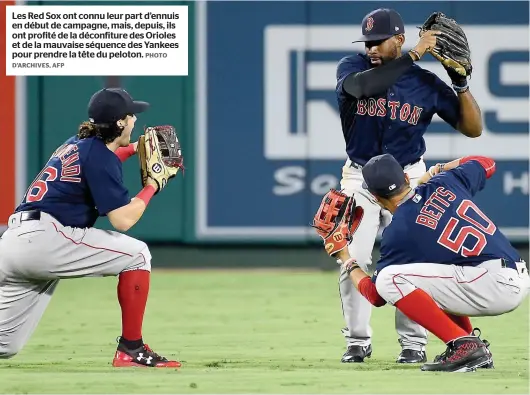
<point>381,24</point>
<point>383,176</point>
<point>112,104</point>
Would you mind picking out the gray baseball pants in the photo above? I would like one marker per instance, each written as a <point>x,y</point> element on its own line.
<point>36,254</point>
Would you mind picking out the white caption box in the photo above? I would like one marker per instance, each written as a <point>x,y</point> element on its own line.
<point>97,40</point>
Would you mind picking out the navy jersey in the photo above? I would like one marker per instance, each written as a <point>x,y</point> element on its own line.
<point>395,121</point>
<point>442,224</point>
<point>81,181</point>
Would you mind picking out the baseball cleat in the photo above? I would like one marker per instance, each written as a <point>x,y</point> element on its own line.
<point>476,332</point>
<point>465,354</point>
<point>411,356</point>
<point>142,357</point>
<point>357,353</point>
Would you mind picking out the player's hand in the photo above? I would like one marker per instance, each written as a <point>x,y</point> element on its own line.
<point>426,41</point>
<point>135,145</point>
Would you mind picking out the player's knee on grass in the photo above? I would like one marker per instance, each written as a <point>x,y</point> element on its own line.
<point>141,260</point>
<point>392,285</point>
<point>9,350</point>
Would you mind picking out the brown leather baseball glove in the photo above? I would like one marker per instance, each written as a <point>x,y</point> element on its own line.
<point>160,155</point>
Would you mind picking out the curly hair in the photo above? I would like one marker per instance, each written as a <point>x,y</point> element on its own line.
<point>106,132</point>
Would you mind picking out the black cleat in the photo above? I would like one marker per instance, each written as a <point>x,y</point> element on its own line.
<point>465,354</point>
<point>141,357</point>
<point>357,353</point>
<point>411,356</point>
<point>476,332</point>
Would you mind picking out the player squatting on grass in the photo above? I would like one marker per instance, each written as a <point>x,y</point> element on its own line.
<point>442,259</point>
<point>51,235</point>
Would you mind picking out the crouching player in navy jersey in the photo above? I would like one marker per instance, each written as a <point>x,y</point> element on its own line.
<point>442,259</point>
<point>51,235</point>
<point>387,102</point>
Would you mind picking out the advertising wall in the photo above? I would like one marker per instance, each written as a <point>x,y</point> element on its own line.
<point>257,117</point>
<point>268,136</point>
<point>56,106</point>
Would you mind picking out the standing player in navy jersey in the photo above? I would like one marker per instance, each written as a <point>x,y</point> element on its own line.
<point>386,103</point>
<point>442,259</point>
<point>51,235</point>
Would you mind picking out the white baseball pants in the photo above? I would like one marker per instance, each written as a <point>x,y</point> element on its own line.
<point>356,309</point>
<point>488,289</point>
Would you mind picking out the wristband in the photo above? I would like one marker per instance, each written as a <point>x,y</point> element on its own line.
<point>350,265</point>
<point>431,172</point>
<point>461,89</point>
<point>487,163</point>
<point>416,53</point>
<point>125,152</point>
<point>146,194</point>
<point>440,167</point>
<point>459,82</point>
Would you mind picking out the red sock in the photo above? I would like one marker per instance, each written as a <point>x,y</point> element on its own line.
<point>133,288</point>
<point>419,307</point>
<point>462,321</point>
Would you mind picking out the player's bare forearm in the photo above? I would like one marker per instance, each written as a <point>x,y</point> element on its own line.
<point>438,168</point>
<point>356,275</point>
<point>470,123</point>
<point>451,165</point>
<point>487,163</point>
<point>125,217</point>
<point>362,281</point>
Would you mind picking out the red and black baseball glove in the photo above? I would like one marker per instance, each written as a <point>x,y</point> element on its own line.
<point>336,220</point>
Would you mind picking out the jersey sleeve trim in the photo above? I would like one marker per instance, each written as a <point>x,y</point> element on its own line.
<point>369,291</point>
<point>487,163</point>
<point>124,153</point>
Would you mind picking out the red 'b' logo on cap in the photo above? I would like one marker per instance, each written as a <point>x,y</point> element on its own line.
<point>369,23</point>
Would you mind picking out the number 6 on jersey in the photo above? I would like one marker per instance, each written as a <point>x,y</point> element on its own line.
<point>39,187</point>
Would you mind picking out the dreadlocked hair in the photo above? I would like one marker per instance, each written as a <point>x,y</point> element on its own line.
<point>105,132</point>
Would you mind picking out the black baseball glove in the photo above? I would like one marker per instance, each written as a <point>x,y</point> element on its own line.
<point>452,48</point>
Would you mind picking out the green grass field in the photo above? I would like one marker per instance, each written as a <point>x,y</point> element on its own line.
<point>242,332</point>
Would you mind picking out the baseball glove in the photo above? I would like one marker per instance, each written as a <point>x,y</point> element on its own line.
<point>336,220</point>
<point>159,154</point>
<point>452,48</point>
